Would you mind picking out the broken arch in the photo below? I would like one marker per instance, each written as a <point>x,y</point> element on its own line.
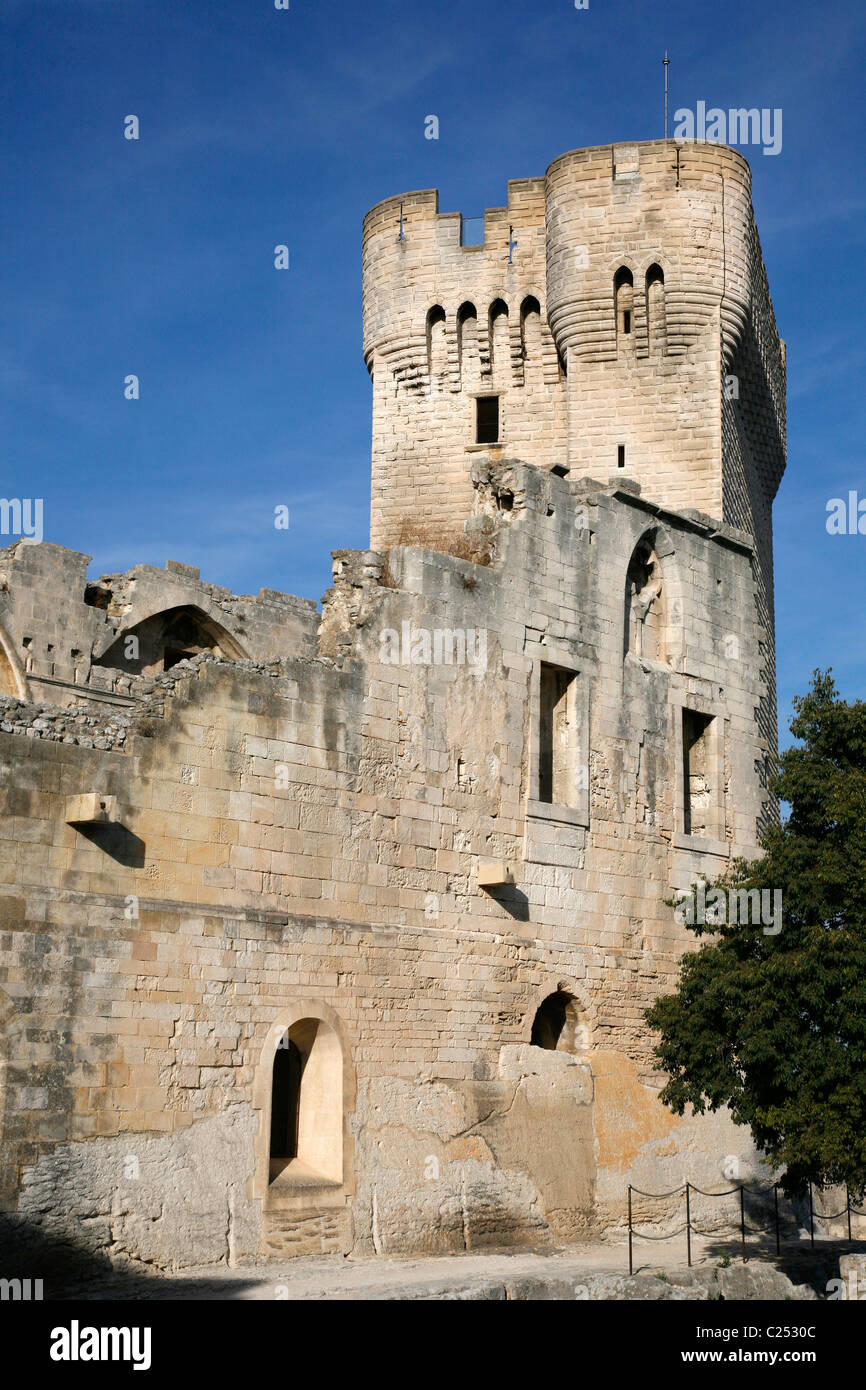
<point>160,641</point>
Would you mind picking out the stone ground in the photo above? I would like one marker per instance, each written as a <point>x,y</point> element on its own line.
<point>587,1271</point>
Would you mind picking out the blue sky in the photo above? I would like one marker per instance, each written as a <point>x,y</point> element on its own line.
<point>260,127</point>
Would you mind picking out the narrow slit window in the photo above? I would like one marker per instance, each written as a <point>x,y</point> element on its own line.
<point>556,754</point>
<point>623,298</point>
<point>487,420</point>
<point>620,456</point>
<point>655,311</point>
<point>698,789</point>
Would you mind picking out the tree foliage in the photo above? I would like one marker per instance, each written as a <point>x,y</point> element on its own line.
<point>774,1025</point>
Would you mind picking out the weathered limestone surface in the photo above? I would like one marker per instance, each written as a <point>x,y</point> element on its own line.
<point>304,800</point>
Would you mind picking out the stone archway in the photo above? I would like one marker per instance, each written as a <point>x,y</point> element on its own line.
<point>652,617</point>
<point>305,1193</point>
<point>306,1104</point>
<point>313,1086</point>
<point>159,641</point>
<point>560,1024</point>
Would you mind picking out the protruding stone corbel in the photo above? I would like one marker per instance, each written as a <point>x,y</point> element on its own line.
<point>92,808</point>
<point>495,873</point>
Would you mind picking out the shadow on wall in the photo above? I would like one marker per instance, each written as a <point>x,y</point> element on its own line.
<point>116,841</point>
<point>514,900</point>
<point>68,1270</point>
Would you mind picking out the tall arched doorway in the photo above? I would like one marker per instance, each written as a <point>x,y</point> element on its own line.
<point>306,1105</point>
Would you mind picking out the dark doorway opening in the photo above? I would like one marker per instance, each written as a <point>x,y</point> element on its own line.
<point>558,1026</point>
<point>549,1021</point>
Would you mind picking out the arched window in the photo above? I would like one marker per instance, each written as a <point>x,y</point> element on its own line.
<point>437,349</point>
<point>623,295</point>
<point>559,1025</point>
<point>530,330</point>
<point>644,626</point>
<point>306,1113</point>
<point>467,342</point>
<point>499,347</point>
<point>655,311</point>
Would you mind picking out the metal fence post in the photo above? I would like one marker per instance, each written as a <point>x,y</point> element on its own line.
<point>630,1261</point>
<point>743,1221</point>
<point>848,1207</point>
<point>811,1217</point>
<point>776,1205</point>
<point>688,1227</point>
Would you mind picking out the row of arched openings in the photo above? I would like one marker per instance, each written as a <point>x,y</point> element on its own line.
<point>490,344</point>
<point>654,307</point>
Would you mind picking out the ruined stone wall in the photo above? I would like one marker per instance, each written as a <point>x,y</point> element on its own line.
<point>307,838</point>
<point>404,831</point>
<point>63,637</point>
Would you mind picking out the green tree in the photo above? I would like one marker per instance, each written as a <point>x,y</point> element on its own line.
<point>772,1023</point>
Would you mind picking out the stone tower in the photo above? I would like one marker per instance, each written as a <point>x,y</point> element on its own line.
<point>615,321</point>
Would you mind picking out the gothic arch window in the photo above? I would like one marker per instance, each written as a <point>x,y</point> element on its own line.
<point>559,1024</point>
<point>437,348</point>
<point>623,296</point>
<point>306,1105</point>
<point>530,330</point>
<point>645,602</point>
<point>499,345</point>
<point>655,310</point>
<point>467,341</point>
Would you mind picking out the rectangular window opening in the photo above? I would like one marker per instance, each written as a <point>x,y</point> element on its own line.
<point>487,420</point>
<point>626,321</point>
<point>620,456</point>
<point>556,753</point>
<point>698,789</point>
